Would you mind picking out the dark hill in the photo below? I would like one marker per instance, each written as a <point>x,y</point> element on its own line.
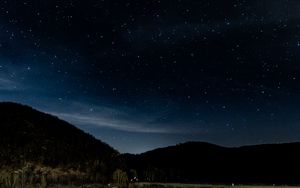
<point>27,135</point>
<point>32,136</point>
<point>206,163</point>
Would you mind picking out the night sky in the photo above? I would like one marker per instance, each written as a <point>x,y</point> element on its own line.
<point>141,74</point>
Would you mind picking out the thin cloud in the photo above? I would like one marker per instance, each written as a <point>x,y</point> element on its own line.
<point>112,118</point>
<point>8,85</point>
<point>120,125</point>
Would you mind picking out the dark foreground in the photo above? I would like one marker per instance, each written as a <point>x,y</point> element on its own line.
<point>176,185</point>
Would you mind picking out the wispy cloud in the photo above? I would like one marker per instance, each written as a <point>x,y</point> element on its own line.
<point>116,119</point>
<point>116,124</point>
<point>8,85</point>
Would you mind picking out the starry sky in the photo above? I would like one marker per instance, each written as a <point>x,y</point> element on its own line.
<point>146,74</point>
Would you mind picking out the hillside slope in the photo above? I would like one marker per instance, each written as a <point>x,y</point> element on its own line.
<point>32,136</point>
<point>206,163</point>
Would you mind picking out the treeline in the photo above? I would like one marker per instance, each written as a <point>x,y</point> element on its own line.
<point>36,175</point>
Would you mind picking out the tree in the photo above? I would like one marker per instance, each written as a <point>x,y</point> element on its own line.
<point>120,177</point>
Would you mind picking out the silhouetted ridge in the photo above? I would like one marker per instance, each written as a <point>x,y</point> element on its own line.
<point>29,135</point>
<point>201,162</point>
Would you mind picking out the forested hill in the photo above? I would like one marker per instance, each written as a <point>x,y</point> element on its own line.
<point>32,136</point>
<point>200,162</point>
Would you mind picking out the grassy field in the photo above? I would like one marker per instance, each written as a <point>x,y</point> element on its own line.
<point>166,185</point>
<point>178,185</point>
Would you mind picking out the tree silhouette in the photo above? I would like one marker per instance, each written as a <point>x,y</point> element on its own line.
<point>120,177</point>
